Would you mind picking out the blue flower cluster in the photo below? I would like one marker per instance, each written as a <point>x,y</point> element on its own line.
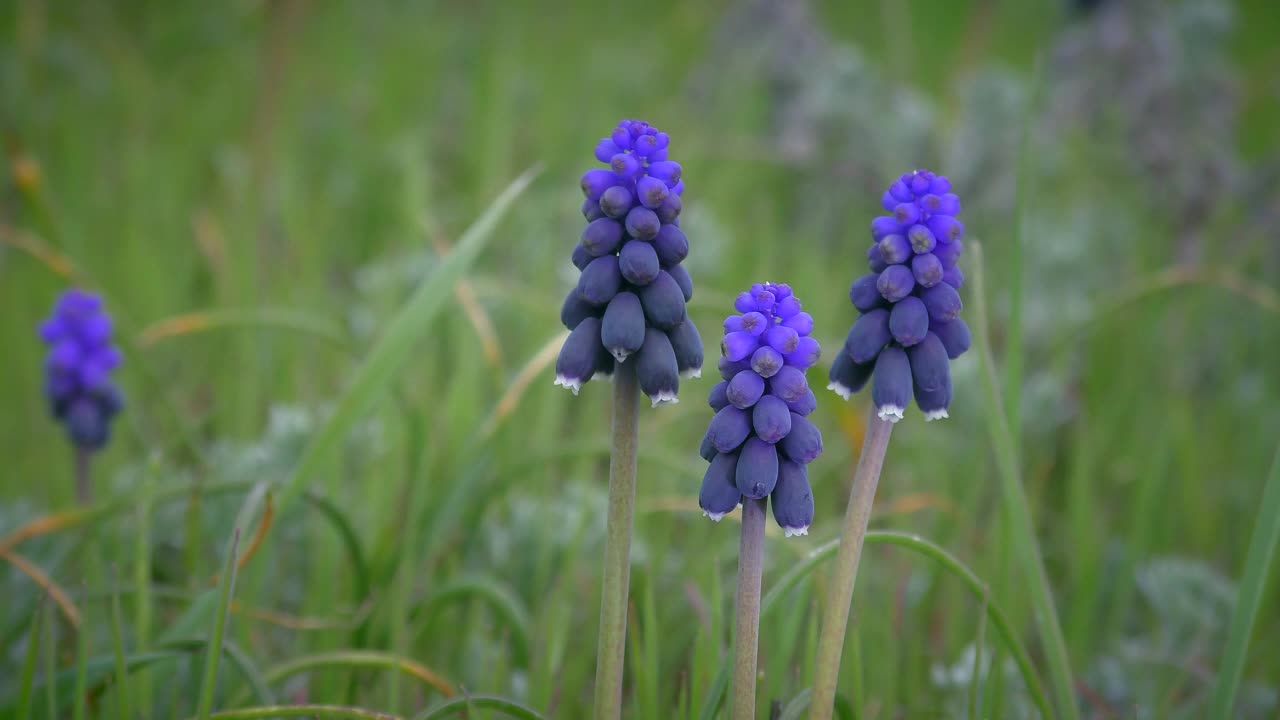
<point>78,369</point>
<point>910,328</point>
<point>631,295</point>
<point>760,440</point>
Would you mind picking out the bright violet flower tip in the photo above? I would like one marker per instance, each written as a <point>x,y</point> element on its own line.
<point>78,369</point>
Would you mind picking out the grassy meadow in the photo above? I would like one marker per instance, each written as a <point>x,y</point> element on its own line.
<point>335,239</point>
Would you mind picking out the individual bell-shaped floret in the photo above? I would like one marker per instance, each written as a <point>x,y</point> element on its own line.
<point>848,377</point>
<point>719,495</point>
<point>745,389</point>
<point>638,263</point>
<point>687,344</point>
<point>729,429</point>
<point>575,310</point>
<point>657,369</point>
<point>869,334</point>
<point>577,361</point>
<point>803,442</point>
<point>865,295</point>
<point>600,281</point>
<point>719,396</point>
<point>602,237</point>
<point>930,367</point>
<point>681,276</point>
<point>642,223</point>
<point>896,282</point>
<point>934,403</point>
<point>954,335</point>
<point>891,384</point>
<point>771,419</point>
<point>663,302</point>
<point>757,471</point>
<point>908,321</point>
<point>622,330</point>
<point>792,499</point>
<point>943,302</point>
<point>671,245</point>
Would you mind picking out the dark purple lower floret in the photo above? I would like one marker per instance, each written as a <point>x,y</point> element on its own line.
<point>766,361</point>
<point>681,276</point>
<point>672,245</point>
<point>792,499</point>
<point>771,419</point>
<point>591,209</point>
<point>719,396</point>
<point>616,202</point>
<point>954,335</point>
<point>865,295</point>
<point>581,257</point>
<point>805,405</point>
<point>622,329</point>
<point>895,249</point>
<point>600,280</point>
<point>663,302</point>
<point>757,471</point>
<point>789,384</point>
<point>669,210</point>
<point>909,321</point>
<point>934,403</point>
<point>891,384</point>
<point>930,367</point>
<point>896,282</point>
<point>575,310</point>
<point>638,263</point>
<point>576,363</point>
<point>954,277</point>
<point>707,450</point>
<point>803,443</point>
<point>602,237</point>
<point>656,368</point>
<point>943,302</point>
<point>729,428</point>
<point>687,344</point>
<point>868,334</point>
<point>927,270</point>
<point>745,389</point>
<point>949,253</point>
<point>642,223</point>
<point>719,495</point>
<point>875,260</point>
<point>728,368</point>
<point>88,424</point>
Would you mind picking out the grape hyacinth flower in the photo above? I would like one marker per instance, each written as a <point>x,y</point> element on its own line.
<point>908,331</point>
<point>627,319</point>
<point>78,370</point>
<point>759,445</point>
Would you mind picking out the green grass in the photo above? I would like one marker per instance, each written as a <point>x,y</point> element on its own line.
<point>262,192</point>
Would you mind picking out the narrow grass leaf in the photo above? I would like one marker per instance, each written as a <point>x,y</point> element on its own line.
<point>1257,565</point>
<point>487,702</point>
<point>226,587</point>
<point>123,697</point>
<point>27,683</point>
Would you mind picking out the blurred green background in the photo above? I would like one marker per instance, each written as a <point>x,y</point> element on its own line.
<point>256,187</point>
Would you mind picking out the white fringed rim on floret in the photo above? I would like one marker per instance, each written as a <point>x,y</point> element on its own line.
<point>890,413</point>
<point>572,384</point>
<point>665,397</point>
<point>715,517</point>
<point>795,531</point>
<point>839,389</point>
<point>691,373</point>
<point>932,415</point>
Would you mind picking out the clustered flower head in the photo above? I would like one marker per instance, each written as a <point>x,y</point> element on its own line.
<point>631,295</point>
<point>78,369</point>
<point>910,328</point>
<point>760,440</point>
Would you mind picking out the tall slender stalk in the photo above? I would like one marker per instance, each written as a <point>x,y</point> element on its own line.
<point>835,617</point>
<point>84,488</point>
<point>747,633</point>
<point>611,651</point>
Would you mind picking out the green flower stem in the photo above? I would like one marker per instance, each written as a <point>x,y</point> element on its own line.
<point>611,650</point>
<point>835,617</point>
<point>747,633</point>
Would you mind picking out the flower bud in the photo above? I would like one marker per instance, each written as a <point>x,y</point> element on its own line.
<point>651,191</point>
<point>805,355</point>
<point>876,261</point>
<point>638,263</point>
<point>719,495</point>
<point>602,237</point>
<point>895,249</point>
<point>789,384</point>
<point>887,225</point>
<point>757,471</point>
<point>805,405</point>
<point>891,384</point>
<point>895,283</point>
<point>909,321</point>
<point>669,210</point>
<point>949,253</point>
<point>656,368</point>
<point>576,363</point>
<point>942,302</point>
<point>687,344</point>
<point>804,443</point>
<point>946,228</point>
<point>575,310</point>
<point>596,182</point>
<point>782,338</point>
<point>922,241</point>
<point>865,295</point>
<point>719,395</point>
<point>622,330</point>
<point>729,429</point>
<point>591,210</point>
<point>708,453</point>
<point>681,276</point>
<point>868,335</point>
<point>792,499</point>
<point>667,171</point>
<point>663,302</point>
<point>930,367</point>
<point>642,223</point>
<point>745,389</point>
<point>600,280</point>
<point>626,166</point>
<point>766,361</point>
<point>581,257</point>
<point>906,214</point>
<point>801,322</point>
<point>605,150</point>
<point>926,269</point>
<point>954,277</point>
<point>954,335</point>
<point>616,202</point>
<point>771,419</point>
<point>671,245</point>
<point>729,368</point>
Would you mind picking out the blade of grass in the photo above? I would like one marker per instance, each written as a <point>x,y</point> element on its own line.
<point>489,702</point>
<point>356,659</point>
<point>230,318</point>
<point>411,323</point>
<point>26,685</point>
<point>79,705</point>
<point>979,647</point>
<point>1257,564</point>
<point>1027,546</point>
<point>226,587</point>
<point>123,697</point>
<point>51,661</point>
<point>498,595</point>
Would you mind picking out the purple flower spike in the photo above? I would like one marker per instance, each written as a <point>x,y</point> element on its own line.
<point>761,409</point>
<point>909,330</point>
<point>78,369</point>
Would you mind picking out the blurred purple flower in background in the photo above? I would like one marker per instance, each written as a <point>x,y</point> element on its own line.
<point>78,369</point>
